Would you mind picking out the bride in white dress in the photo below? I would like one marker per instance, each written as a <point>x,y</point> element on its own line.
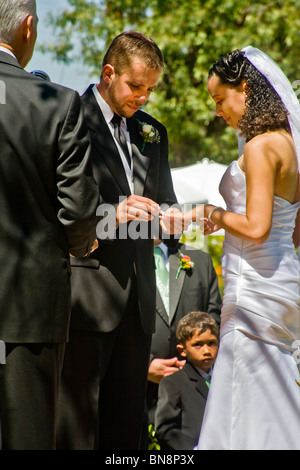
<point>254,399</point>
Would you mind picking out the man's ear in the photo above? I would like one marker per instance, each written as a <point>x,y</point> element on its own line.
<point>27,28</point>
<point>181,350</point>
<point>108,73</point>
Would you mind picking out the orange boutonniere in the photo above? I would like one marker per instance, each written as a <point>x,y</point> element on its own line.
<point>185,263</point>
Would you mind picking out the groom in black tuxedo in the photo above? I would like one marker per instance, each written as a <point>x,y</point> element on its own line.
<point>114,293</point>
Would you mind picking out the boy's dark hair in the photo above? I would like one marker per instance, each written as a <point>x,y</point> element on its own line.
<point>195,321</point>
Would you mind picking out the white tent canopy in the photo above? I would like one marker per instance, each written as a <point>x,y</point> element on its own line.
<point>199,183</point>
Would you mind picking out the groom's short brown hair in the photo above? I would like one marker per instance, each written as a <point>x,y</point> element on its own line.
<point>130,45</point>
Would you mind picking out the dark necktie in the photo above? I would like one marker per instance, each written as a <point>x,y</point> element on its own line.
<point>120,137</point>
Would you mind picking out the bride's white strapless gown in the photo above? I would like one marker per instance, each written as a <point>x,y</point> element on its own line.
<point>254,400</point>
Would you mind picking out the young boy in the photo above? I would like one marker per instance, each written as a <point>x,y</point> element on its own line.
<point>182,395</point>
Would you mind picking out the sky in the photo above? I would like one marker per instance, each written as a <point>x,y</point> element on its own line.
<point>74,76</point>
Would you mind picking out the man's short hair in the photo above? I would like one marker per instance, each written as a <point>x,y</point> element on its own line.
<point>131,45</point>
<point>12,15</point>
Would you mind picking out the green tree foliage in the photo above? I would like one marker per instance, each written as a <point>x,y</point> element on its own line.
<point>192,34</point>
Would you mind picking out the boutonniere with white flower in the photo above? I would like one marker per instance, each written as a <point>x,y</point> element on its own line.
<point>185,263</point>
<point>149,133</point>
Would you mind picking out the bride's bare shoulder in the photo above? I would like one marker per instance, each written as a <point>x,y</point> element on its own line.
<point>275,140</point>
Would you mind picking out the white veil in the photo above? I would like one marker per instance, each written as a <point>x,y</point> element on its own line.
<point>267,67</point>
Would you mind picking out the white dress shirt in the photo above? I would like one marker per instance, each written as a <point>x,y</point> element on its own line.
<point>108,115</point>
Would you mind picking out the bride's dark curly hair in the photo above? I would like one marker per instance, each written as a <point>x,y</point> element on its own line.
<point>264,108</point>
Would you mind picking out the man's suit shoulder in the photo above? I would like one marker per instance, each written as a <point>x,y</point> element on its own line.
<point>176,378</point>
<point>49,89</point>
<point>182,376</point>
<point>55,101</point>
<point>43,88</point>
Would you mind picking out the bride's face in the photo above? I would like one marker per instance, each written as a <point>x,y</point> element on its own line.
<point>230,102</point>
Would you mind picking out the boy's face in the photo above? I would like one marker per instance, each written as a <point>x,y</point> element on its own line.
<point>201,350</point>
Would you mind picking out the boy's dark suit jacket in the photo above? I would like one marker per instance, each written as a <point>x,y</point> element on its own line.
<point>181,402</point>
<point>48,202</point>
<point>196,289</point>
<point>101,284</point>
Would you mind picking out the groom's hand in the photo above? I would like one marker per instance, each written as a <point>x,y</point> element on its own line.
<point>172,221</point>
<point>136,207</point>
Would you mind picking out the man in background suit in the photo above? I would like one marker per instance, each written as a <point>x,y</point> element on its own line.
<point>193,289</point>
<point>113,292</point>
<point>48,201</point>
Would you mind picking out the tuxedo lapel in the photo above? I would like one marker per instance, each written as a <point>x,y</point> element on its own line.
<point>160,308</point>
<point>201,387</point>
<point>176,285</point>
<point>195,377</point>
<point>102,139</point>
<point>140,161</point>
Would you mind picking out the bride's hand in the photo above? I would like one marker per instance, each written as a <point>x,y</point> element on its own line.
<point>199,215</point>
<point>195,215</point>
<point>210,227</point>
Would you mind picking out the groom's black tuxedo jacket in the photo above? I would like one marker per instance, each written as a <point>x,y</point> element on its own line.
<point>48,202</point>
<point>101,284</point>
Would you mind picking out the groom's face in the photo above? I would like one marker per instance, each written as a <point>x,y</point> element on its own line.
<point>130,89</point>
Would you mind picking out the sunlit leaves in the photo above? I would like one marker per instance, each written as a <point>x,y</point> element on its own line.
<point>192,35</point>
